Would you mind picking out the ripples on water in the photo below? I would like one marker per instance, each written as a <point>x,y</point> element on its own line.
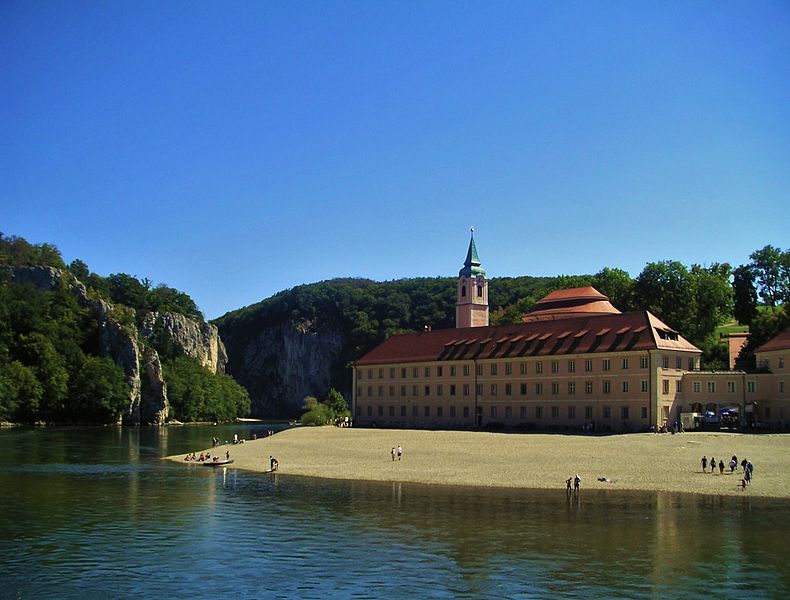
<point>96,514</point>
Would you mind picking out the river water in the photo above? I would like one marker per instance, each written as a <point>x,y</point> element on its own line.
<point>95,513</point>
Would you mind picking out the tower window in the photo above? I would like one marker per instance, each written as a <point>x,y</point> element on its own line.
<point>479,291</point>
<point>463,291</point>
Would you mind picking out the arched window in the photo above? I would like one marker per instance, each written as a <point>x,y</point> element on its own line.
<point>479,291</point>
<point>463,291</point>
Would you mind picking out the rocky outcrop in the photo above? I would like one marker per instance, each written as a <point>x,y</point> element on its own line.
<point>197,340</point>
<point>281,364</point>
<point>134,351</point>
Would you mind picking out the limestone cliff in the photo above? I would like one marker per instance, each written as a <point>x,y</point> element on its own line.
<point>134,351</point>
<point>281,364</point>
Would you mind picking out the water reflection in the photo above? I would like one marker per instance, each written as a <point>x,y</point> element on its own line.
<point>88,507</point>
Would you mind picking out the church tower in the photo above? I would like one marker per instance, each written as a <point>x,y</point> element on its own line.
<point>471,306</point>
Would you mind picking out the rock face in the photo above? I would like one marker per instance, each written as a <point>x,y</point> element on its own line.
<point>197,340</point>
<point>281,364</point>
<point>132,350</point>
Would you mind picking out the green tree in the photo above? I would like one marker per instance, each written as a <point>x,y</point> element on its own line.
<point>317,413</point>
<point>712,299</point>
<point>337,404</point>
<point>618,285</point>
<point>771,268</point>
<point>99,392</point>
<point>666,289</point>
<point>20,393</point>
<point>79,269</point>
<point>745,295</point>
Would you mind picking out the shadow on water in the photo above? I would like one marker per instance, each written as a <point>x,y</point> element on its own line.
<point>89,511</point>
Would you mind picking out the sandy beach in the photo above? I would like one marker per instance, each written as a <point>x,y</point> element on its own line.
<point>647,461</point>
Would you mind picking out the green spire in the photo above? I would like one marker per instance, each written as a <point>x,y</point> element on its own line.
<point>472,266</point>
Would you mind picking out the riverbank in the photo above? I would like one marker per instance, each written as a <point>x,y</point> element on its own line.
<point>646,462</point>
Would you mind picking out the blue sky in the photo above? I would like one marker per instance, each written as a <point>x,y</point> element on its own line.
<point>235,149</point>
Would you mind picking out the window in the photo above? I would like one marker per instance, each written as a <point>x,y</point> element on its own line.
<point>678,385</point>
<point>588,387</point>
<point>508,412</point>
<point>452,412</point>
<point>452,389</point>
<point>571,366</point>
<point>781,362</point>
<point>691,364</point>
<point>427,412</point>
<point>607,387</point>
<point>643,386</point>
<point>415,411</point>
<point>538,389</point>
<point>711,387</point>
<point>625,387</point>
<point>479,389</point>
<point>392,373</point>
<point>643,362</point>
<point>571,412</point>
<point>414,372</point>
<point>493,389</point>
<point>538,412</point>
<point>523,368</point>
<point>381,373</point>
<point>607,364</point>
<point>370,391</point>
<point>767,412</point>
<point>523,389</point>
<point>644,412</point>
<point>781,387</point>
<point>623,412</point>
<point>571,387</point>
<point>463,291</point>
<point>439,390</point>
<point>403,373</point>
<point>479,291</point>
<point>440,411</point>
<point>555,366</point>
<point>678,362</point>
<point>466,370</point>
<point>555,388</point>
<point>493,412</point>
<point>665,362</point>
<point>466,412</point>
<point>427,371</point>
<point>403,410</point>
<point>392,391</point>
<point>381,391</point>
<point>625,364</point>
<point>427,390</point>
<point>414,390</point>
<point>466,389</point>
<point>508,369</point>
<point>508,389</point>
<point>731,387</point>
<point>588,365</point>
<point>666,386</point>
<point>493,369</point>
<point>751,386</point>
<point>452,370</point>
<point>381,411</point>
<point>370,373</point>
<point>696,387</point>
<point>439,371</point>
<point>555,412</point>
<point>402,391</point>
<point>588,412</point>
<point>607,412</point>
<point>523,412</point>
<point>479,369</point>
<point>370,410</point>
<point>392,411</point>
<point>538,367</point>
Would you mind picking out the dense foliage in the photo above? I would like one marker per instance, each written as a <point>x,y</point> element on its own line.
<point>196,394</point>
<point>329,411</point>
<point>50,368</point>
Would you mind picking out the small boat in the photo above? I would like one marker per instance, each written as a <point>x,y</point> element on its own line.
<point>217,463</point>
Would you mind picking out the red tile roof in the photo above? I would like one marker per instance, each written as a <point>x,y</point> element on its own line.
<point>780,342</point>
<point>562,304</point>
<point>592,334</point>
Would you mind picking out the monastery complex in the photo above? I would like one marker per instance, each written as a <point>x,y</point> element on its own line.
<point>575,362</point>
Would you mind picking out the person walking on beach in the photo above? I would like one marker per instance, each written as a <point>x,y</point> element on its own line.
<point>568,484</point>
<point>400,452</point>
<point>721,467</point>
<point>712,464</point>
<point>393,454</point>
<point>704,463</point>
<point>750,468</point>
<point>577,483</point>
<point>747,476</point>
<point>732,465</point>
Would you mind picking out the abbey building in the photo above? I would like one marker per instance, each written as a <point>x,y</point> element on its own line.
<point>574,362</point>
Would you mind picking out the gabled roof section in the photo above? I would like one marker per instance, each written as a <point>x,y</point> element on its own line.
<point>589,334</point>
<point>472,265</point>
<point>779,342</point>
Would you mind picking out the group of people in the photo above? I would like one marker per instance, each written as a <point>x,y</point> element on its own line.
<point>398,453</point>
<point>746,465</point>
<point>204,457</point>
<point>576,481</point>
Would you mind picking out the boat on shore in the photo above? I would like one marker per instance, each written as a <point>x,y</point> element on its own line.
<point>217,463</point>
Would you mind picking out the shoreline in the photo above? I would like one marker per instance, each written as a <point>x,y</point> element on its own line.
<point>631,462</point>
